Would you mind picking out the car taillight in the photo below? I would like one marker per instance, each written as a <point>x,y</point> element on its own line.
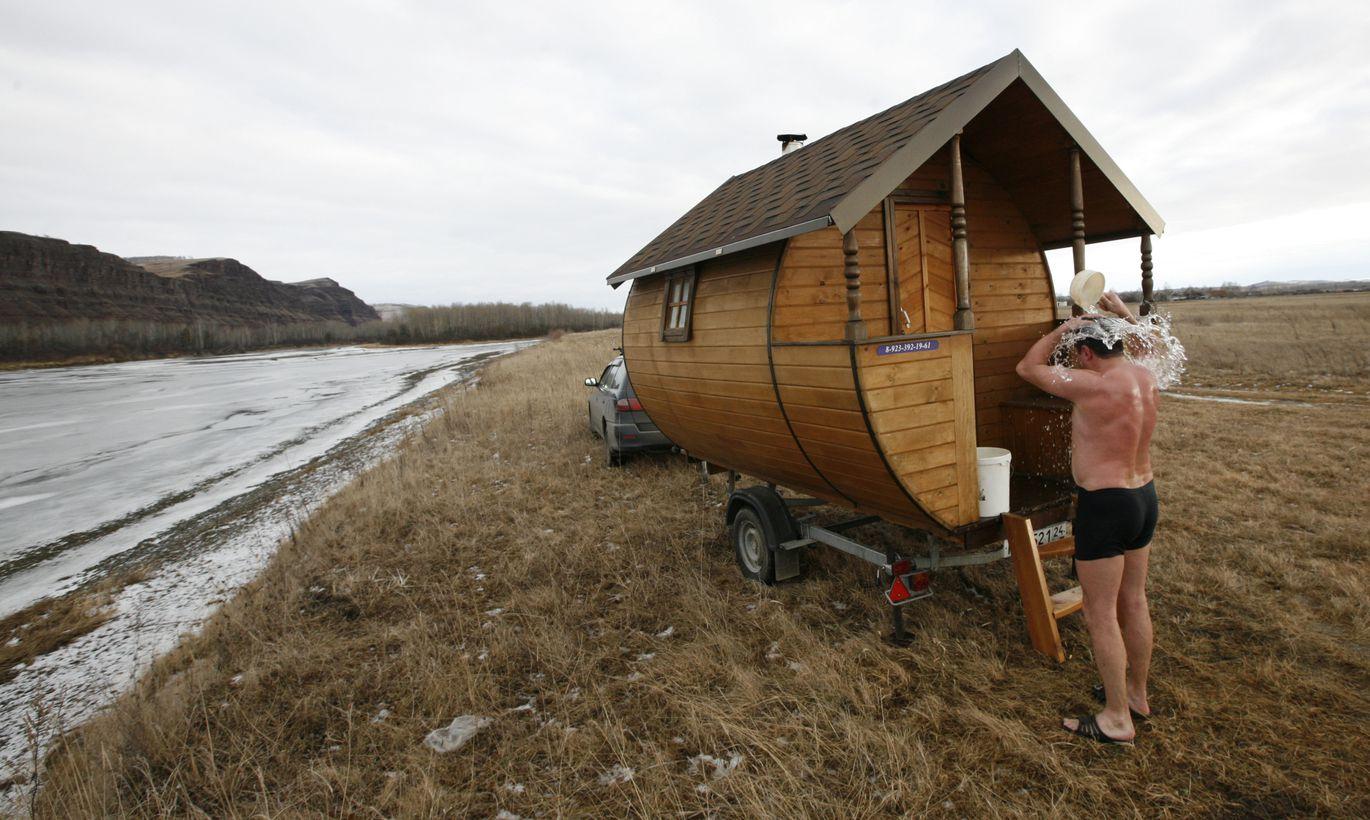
<point>628,405</point>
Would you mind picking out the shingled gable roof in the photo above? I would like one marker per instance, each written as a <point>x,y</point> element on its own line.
<point>838,179</point>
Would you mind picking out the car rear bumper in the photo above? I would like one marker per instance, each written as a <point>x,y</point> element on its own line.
<point>627,437</point>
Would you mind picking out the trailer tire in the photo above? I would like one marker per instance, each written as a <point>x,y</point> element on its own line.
<point>760,522</point>
<point>755,555</point>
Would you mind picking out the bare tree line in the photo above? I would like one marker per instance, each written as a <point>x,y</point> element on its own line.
<point>123,338</point>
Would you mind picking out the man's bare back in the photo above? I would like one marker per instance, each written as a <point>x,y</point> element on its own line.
<point>1111,429</point>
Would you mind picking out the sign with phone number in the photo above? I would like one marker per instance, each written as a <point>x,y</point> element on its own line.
<point>907,347</point>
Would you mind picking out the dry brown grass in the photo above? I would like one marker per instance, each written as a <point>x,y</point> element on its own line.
<point>49,624</point>
<point>387,599</point>
<point>1319,341</point>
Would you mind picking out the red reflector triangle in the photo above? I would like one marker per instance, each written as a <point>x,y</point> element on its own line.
<point>898,591</point>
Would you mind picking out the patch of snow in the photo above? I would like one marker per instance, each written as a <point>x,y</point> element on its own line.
<point>454,735</point>
<point>722,767</point>
<point>615,776</point>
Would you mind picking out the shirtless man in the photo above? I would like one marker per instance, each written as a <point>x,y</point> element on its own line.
<point>1111,425</point>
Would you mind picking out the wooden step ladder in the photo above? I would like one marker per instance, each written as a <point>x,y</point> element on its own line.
<point>1041,609</point>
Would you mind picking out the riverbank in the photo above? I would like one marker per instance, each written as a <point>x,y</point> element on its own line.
<point>81,361</point>
<point>496,568</point>
<point>117,535</point>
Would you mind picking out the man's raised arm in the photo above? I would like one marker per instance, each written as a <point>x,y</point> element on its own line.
<point>1058,381</point>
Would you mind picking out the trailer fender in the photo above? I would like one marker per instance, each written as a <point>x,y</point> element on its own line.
<point>775,516</point>
<point>777,523</point>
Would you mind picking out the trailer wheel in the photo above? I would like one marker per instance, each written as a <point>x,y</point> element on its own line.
<point>755,556</point>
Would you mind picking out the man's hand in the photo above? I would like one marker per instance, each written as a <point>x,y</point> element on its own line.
<point>1114,304</point>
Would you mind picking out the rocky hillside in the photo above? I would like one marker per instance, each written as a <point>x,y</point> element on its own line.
<point>50,280</point>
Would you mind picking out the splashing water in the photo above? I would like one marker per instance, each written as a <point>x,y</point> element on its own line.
<point>1148,343</point>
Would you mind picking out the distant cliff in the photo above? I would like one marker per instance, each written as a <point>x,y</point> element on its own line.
<point>52,281</point>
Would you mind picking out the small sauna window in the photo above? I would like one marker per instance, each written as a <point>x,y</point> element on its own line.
<point>675,317</point>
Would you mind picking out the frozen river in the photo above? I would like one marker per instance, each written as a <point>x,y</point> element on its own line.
<point>187,469</point>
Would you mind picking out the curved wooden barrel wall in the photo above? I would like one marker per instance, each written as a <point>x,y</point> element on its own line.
<point>893,435</point>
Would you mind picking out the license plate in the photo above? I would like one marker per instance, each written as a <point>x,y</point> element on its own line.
<point>1052,532</point>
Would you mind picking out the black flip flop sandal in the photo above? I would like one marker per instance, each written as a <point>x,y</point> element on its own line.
<point>1089,728</point>
<point>1099,695</point>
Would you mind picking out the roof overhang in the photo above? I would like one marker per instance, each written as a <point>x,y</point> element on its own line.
<point>723,250</point>
<point>930,139</point>
<point>1140,216</point>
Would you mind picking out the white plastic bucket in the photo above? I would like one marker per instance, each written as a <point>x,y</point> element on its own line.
<point>994,468</point>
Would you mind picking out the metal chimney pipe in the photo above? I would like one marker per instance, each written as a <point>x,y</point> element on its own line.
<point>791,142</point>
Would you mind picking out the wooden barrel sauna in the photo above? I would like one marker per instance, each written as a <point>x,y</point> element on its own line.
<point>861,355</point>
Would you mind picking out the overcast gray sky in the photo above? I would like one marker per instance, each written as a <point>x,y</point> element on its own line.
<point>440,152</point>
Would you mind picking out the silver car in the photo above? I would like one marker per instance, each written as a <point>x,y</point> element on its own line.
<point>618,417</point>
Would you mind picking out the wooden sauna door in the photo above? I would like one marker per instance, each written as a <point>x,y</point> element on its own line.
<point>923,286</point>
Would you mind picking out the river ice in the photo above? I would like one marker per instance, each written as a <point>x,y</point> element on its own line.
<point>188,469</point>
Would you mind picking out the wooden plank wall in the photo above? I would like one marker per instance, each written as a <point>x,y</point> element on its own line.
<point>818,388</point>
<point>811,301</point>
<point>1010,290</point>
<point>920,407</point>
<point>713,395</point>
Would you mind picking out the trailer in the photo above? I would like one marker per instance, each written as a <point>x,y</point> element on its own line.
<point>844,322</point>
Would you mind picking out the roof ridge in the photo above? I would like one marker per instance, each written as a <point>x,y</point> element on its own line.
<point>850,126</point>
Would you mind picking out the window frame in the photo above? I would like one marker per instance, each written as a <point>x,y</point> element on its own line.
<point>681,333</point>
<point>606,378</point>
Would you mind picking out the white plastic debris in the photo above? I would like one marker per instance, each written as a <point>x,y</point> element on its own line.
<point>380,716</point>
<point>454,735</point>
<point>722,767</point>
<point>236,679</point>
<point>666,633</point>
<point>646,656</point>
<point>615,776</point>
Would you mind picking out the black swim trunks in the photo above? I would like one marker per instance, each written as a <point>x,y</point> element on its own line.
<point>1114,519</point>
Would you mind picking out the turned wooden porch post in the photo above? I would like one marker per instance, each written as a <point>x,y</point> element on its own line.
<point>1077,219</point>
<point>960,256</point>
<point>1146,275</point>
<point>851,270</point>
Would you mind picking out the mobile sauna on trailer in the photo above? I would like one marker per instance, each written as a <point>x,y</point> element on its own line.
<point>844,321</point>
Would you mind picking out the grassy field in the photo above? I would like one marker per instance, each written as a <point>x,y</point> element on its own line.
<point>496,567</point>
<point>1315,342</point>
